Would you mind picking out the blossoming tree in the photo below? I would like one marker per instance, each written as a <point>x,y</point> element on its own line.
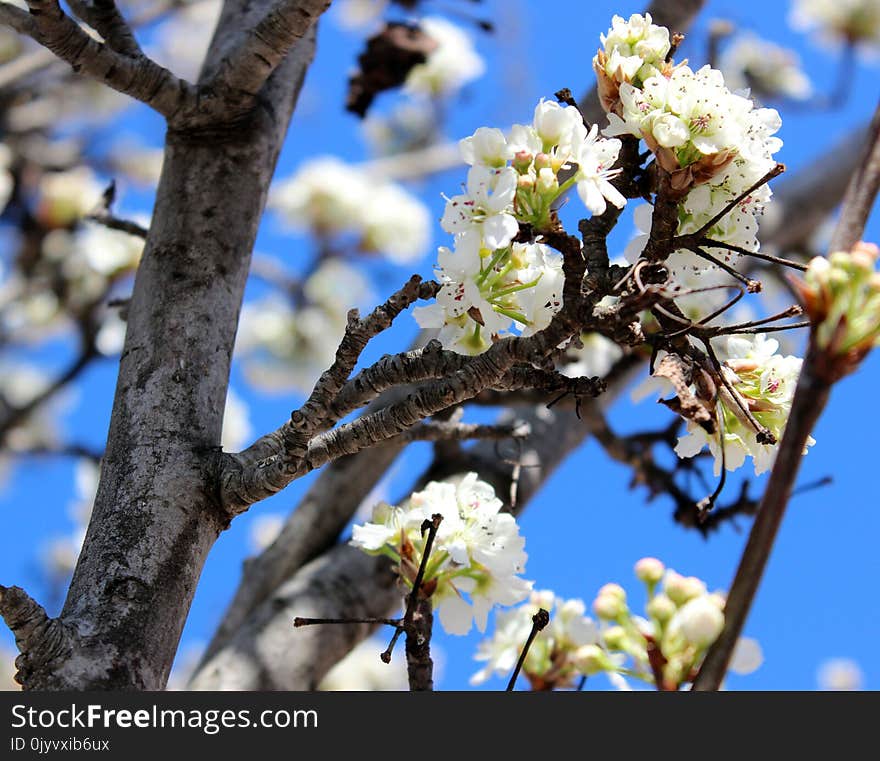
<point>524,310</point>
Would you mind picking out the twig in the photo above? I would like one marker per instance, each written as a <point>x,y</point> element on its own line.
<point>539,621</point>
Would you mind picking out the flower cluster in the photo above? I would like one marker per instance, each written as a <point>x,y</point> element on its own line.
<point>666,647</point>
<point>765,68</point>
<point>552,658</point>
<point>286,346</point>
<point>491,283</point>
<point>477,551</point>
<point>848,21</point>
<point>450,66</point>
<point>841,295</point>
<point>632,52</point>
<point>762,384</point>
<point>713,143</point>
<point>331,199</point>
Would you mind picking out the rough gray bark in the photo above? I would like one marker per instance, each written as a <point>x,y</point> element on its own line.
<point>157,512</point>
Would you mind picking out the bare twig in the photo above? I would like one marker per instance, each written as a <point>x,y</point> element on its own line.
<point>539,621</point>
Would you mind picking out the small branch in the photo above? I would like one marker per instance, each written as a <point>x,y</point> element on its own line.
<point>104,17</point>
<point>539,621</point>
<point>111,222</point>
<point>810,399</point>
<point>39,639</point>
<point>136,76</point>
<point>860,194</point>
<point>434,430</point>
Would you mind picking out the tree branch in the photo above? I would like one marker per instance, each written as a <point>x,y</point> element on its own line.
<point>136,76</point>
<point>104,17</point>
<point>247,67</point>
<point>861,193</point>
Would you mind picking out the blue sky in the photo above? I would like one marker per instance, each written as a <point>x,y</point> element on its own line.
<point>586,527</point>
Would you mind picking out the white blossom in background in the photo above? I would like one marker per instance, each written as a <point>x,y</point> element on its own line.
<point>840,21</point>
<point>363,671</point>
<point>767,69</point>
<point>285,348</point>
<point>409,125</point>
<point>682,619</point>
<point>549,662</point>
<point>182,41</point>
<point>8,671</point>
<point>109,252</point>
<point>264,530</point>
<point>19,384</point>
<point>6,180</point>
<point>65,197</point>
<point>140,164</point>
<point>238,431</point>
<point>330,198</point>
<point>354,14</point>
<point>840,675</point>
<point>492,285</point>
<point>450,66</point>
<point>594,359</point>
<point>477,557</point>
<point>110,337</point>
<point>764,383</point>
<point>60,553</point>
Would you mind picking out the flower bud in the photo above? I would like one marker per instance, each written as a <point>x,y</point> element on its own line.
<point>649,570</point>
<point>699,621</point>
<point>542,161</point>
<point>680,588</point>
<point>547,182</point>
<point>591,660</point>
<point>615,638</point>
<point>661,608</point>
<point>522,160</point>
<point>609,607</point>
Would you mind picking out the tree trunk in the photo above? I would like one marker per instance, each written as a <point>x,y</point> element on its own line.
<point>157,514</point>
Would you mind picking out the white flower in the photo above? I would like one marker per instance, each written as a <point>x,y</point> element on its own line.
<point>237,428</point>
<point>354,14</point>
<point>699,621</point>
<point>332,198</point>
<point>64,197</point>
<point>477,551</point>
<point>765,384</point>
<point>747,656</point>
<point>450,66</point>
<point>486,147</point>
<point>395,223</point>
<point>769,70</point>
<point>595,159</point>
<point>485,212</point>
<point>107,251</point>
<point>846,21</point>
<point>362,670</point>
<point>840,674</point>
<point>182,41</point>
<point>484,296</point>
<point>264,530</point>
<point>551,659</point>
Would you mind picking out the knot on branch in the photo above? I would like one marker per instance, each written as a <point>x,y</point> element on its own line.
<point>40,640</point>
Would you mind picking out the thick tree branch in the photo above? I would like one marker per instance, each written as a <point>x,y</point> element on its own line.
<point>249,65</point>
<point>138,76</point>
<point>860,194</point>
